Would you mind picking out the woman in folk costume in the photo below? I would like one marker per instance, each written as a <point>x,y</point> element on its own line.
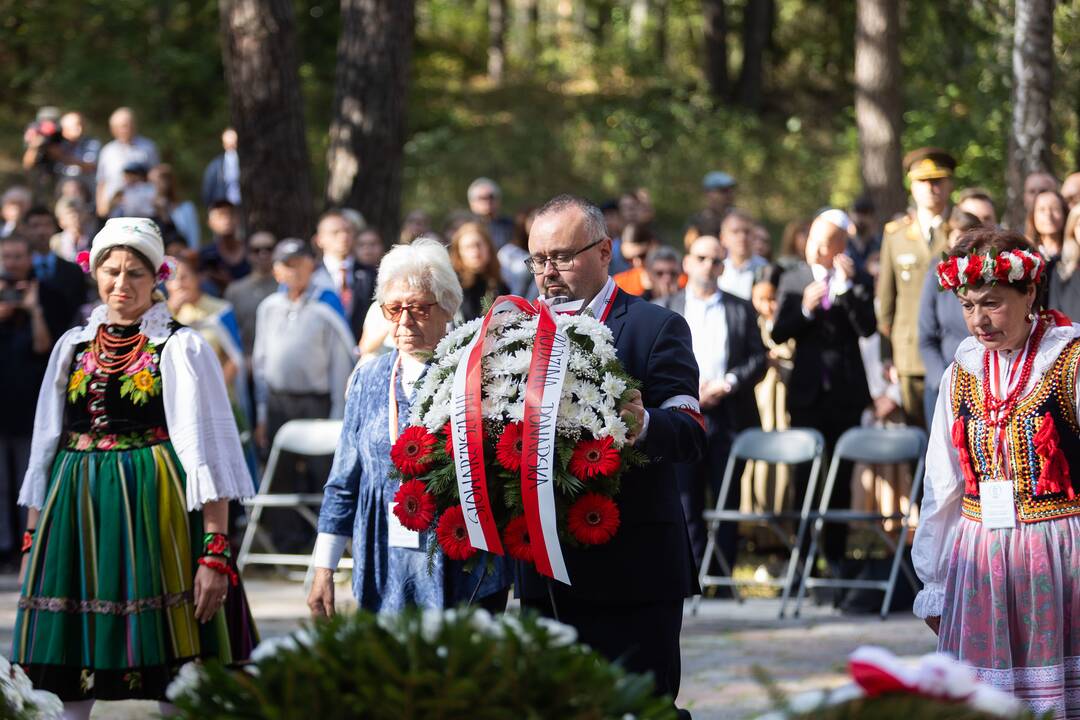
<point>998,544</point>
<point>126,570</point>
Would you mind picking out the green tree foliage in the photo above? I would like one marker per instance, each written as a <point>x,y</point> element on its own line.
<point>594,109</point>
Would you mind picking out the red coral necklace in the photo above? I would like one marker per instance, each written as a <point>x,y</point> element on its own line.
<point>996,412</point>
<point>114,354</point>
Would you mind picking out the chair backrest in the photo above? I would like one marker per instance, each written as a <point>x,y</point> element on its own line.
<point>308,437</point>
<point>881,446</point>
<point>789,447</point>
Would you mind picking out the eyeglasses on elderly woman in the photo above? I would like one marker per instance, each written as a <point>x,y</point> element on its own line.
<point>418,311</point>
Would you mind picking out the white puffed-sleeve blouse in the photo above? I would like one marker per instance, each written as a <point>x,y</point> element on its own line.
<point>198,416</point>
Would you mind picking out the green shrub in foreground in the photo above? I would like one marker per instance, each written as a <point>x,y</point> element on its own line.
<point>421,665</point>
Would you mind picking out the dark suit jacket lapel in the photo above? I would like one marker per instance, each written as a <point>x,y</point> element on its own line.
<point>733,318</point>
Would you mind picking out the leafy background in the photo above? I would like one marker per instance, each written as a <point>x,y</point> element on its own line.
<point>580,110</point>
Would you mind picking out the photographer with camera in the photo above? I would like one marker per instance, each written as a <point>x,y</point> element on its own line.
<point>32,318</point>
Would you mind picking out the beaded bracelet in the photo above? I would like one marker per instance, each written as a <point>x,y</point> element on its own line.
<point>28,540</point>
<point>216,544</point>
<point>220,566</point>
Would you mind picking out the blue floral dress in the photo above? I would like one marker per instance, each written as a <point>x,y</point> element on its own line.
<point>357,504</point>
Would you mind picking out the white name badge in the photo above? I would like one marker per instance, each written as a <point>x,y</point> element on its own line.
<point>399,535</point>
<point>997,505</point>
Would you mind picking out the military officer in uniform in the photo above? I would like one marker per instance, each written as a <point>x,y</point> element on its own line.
<point>908,246</point>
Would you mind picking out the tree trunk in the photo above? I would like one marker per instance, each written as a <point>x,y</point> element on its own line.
<point>638,19</point>
<point>716,54</point>
<point>757,36</point>
<point>878,103</point>
<point>532,13</point>
<point>259,52</point>
<point>367,133</point>
<point>497,21</point>
<point>1033,74</point>
<point>660,44</point>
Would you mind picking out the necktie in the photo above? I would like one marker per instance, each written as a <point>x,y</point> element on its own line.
<point>826,300</point>
<point>346,291</point>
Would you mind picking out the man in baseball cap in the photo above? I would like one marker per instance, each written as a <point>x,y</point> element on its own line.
<point>719,190</point>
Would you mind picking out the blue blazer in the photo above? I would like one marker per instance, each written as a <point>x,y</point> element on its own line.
<point>941,330</point>
<point>649,559</point>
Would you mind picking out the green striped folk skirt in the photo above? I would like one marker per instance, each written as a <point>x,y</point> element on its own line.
<point>107,608</point>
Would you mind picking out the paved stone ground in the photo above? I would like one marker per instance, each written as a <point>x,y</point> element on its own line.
<point>721,645</point>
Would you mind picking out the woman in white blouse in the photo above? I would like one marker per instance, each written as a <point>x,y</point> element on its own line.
<point>126,570</point>
<point>998,544</point>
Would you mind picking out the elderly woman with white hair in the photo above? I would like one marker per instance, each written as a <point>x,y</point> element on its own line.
<point>418,294</point>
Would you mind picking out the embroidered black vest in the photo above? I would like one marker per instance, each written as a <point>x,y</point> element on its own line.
<point>1044,460</point>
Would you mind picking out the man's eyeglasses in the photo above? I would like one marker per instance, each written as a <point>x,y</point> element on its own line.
<point>418,311</point>
<point>561,261</point>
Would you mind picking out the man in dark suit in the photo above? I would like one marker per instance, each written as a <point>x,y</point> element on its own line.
<point>626,596</point>
<point>826,305</point>
<point>66,278</point>
<point>221,179</point>
<point>339,270</point>
<point>731,360</point>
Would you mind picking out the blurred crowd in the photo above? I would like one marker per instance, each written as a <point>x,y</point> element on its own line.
<point>835,324</point>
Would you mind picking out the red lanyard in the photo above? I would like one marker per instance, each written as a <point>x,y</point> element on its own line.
<point>993,386</point>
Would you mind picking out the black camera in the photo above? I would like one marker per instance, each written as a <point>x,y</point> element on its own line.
<point>45,130</point>
<point>10,292</point>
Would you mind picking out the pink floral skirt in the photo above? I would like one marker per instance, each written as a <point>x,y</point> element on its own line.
<point>1010,600</point>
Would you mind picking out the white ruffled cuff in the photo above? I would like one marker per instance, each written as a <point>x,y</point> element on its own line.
<point>328,550</point>
<point>223,481</point>
<point>930,602</point>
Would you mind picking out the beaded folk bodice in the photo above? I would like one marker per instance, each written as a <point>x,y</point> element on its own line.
<point>1042,448</point>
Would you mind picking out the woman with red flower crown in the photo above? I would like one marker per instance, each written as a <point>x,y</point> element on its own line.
<point>393,523</point>
<point>999,528</point>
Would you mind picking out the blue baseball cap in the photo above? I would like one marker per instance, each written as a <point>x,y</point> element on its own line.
<point>717,180</point>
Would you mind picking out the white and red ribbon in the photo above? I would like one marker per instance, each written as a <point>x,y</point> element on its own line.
<point>543,390</point>
<point>547,373</point>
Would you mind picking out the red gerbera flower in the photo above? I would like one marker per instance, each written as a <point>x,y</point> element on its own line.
<point>453,536</point>
<point>516,539</point>
<point>415,506</point>
<point>508,449</point>
<point>1002,268</point>
<point>412,451</point>
<point>593,519</point>
<point>448,448</point>
<point>594,457</point>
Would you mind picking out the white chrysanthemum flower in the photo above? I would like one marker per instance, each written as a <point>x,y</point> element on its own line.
<point>1016,267</point>
<point>588,394</point>
<point>592,422</point>
<point>579,362</point>
<point>520,361</point>
<point>617,429</point>
<point>612,386</point>
<point>559,634</point>
<point>515,411</point>
<point>49,706</point>
<point>191,676</point>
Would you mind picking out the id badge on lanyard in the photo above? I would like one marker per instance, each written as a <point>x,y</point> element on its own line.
<point>997,498</point>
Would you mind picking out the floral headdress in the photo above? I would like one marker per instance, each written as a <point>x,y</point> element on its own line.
<point>960,272</point>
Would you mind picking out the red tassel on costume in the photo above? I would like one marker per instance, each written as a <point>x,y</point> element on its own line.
<point>959,440</point>
<point>1054,476</point>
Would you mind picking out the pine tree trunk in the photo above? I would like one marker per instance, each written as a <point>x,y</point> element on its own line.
<point>757,36</point>
<point>1033,75</point>
<point>497,22</point>
<point>660,27</point>
<point>259,52</point>
<point>716,53</point>
<point>878,103</point>
<point>367,132</point>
